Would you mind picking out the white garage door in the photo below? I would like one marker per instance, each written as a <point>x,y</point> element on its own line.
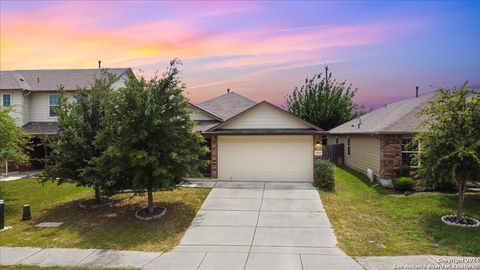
<point>265,158</point>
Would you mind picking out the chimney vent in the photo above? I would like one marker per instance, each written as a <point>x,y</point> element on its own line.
<point>416,91</point>
<point>38,79</point>
<point>99,64</point>
<point>228,90</point>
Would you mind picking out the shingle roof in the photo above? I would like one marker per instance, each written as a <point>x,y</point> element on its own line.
<point>51,79</point>
<point>395,118</point>
<point>8,80</point>
<point>228,105</point>
<point>41,128</point>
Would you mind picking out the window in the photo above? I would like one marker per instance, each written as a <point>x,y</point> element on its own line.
<point>54,104</point>
<point>409,151</point>
<point>349,144</point>
<point>7,100</point>
<point>336,139</point>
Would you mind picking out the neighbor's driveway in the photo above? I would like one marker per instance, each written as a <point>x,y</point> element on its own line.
<point>258,225</point>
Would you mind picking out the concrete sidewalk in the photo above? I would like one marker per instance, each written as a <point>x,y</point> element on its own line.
<point>75,257</point>
<point>17,175</point>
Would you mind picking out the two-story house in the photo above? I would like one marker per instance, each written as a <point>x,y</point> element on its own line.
<point>33,96</point>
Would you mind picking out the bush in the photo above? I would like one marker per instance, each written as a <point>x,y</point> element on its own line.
<point>403,183</point>
<point>402,171</point>
<point>323,174</point>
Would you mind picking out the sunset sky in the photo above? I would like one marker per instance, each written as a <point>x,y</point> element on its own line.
<point>259,49</point>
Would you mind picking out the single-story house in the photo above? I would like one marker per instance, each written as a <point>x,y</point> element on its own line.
<point>379,141</point>
<point>253,141</point>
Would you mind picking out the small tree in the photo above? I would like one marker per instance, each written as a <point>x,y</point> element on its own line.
<point>14,141</point>
<point>149,136</point>
<point>450,149</point>
<point>73,145</point>
<point>324,102</point>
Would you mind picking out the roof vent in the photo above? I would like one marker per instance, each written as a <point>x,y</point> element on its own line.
<point>38,79</point>
<point>416,91</point>
<point>359,122</point>
<point>228,90</point>
<point>99,64</point>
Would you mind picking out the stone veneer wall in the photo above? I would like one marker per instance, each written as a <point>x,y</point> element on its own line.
<point>390,155</point>
<point>214,149</point>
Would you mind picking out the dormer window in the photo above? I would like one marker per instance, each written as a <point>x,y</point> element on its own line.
<point>53,104</point>
<point>6,100</point>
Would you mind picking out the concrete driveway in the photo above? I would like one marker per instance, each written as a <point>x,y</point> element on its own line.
<point>258,225</point>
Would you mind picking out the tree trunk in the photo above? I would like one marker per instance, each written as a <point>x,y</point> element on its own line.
<point>461,198</point>
<point>97,194</point>
<point>150,201</point>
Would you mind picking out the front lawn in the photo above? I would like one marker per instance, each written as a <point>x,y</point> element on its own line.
<point>366,218</point>
<point>109,228</point>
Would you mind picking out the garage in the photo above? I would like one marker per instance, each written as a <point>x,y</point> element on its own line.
<point>265,158</point>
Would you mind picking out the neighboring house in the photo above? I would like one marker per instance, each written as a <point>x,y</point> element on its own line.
<point>253,141</point>
<point>380,140</point>
<point>33,96</point>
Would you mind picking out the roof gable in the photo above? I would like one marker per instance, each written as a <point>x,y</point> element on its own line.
<point>265,115</point>
<point>394,118</point>
<point>227,106</point>
<point>199,114</point>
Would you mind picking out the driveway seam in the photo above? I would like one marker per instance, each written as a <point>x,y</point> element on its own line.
<point>79,262</point>
<point>202,260</point>
<point>301,261</point>
<point>29,256</point>
<point>256,226</point>
<point>147,263</point>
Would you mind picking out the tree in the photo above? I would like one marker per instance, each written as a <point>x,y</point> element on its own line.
<point>14,141</point>
<point>73,145</point>
<point>450,149</point>
<point>324,102</point>
<point>149,137</point>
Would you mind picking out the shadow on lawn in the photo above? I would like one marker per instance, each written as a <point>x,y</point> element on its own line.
<point>116,227</point>
<point>366,182</point>
<point>464,240</point>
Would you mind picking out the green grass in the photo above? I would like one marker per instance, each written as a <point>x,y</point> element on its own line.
<point>29,267</point>
<point>364,215</point>
<point>112,227</point>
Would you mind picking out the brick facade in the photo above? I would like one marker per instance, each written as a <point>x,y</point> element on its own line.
<point>214,149</point>
<point>390,155</point>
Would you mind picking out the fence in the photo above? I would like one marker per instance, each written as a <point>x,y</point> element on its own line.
<point>334,153</point>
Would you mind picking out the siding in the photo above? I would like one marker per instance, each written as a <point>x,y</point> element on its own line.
<point>198,115</point>
<point>364,154</point>
<point>39,106</point>
<point>17,104</point>
<point>120,82</point>
<point>264,116</point>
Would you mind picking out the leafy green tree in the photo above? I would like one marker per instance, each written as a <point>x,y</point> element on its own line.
<point>149,137</point>
<point>450,149</point>
<point>14,141</point>
<point>324,101</point>
<point>73,145</point>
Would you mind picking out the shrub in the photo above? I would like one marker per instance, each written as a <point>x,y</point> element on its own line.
<point>323,174</point>
<point>403,183</point>
<point>402,171</point>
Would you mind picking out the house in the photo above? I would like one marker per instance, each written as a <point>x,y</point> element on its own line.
<point>380,140</point>
<point>33,96</point>
<point>252,141</point>
<point>248,140</point>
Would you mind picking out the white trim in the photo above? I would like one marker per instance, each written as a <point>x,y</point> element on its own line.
<point>50,105</point>
<point>11,99</point>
